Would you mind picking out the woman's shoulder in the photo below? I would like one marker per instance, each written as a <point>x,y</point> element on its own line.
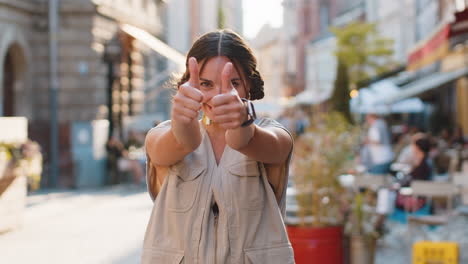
<point>157,129</point>
<point>268,122</point>
<point>164,124</point>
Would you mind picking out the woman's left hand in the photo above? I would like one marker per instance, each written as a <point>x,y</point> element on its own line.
<point>228,109</point>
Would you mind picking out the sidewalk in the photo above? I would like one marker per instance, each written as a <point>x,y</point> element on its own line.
<point>87,226</point>
<point>396,246</point>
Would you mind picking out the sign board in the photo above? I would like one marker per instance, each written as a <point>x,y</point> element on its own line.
<point>13,129</point>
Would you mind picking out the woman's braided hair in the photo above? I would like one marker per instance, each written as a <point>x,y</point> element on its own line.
<point>229,44</point>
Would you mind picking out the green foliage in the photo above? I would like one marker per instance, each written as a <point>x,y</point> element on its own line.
<point>221,16</point>
<point>363,50</point>
<point>322,153</point>
<point>340,97</point>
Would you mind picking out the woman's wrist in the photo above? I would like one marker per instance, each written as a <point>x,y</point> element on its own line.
<point>187,135</point>
<point>240,137</point>
<point>249,113</point>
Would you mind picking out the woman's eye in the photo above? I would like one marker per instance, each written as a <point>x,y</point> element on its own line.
<point>205,84</point>
<point>235,83</point>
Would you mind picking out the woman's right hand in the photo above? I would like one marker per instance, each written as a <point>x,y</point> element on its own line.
<point>188,100</point>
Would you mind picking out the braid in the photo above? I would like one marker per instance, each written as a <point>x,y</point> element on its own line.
<point>256,91</point>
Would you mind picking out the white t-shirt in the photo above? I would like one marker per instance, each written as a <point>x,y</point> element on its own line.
<point>382,152</point>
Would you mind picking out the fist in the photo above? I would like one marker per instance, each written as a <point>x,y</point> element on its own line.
<point>187,102</point>
<point>228,109</point>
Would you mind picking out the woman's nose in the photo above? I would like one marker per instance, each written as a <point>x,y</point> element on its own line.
<point>210,94</point>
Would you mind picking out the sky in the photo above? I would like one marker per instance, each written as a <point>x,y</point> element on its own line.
<point>260,12</point>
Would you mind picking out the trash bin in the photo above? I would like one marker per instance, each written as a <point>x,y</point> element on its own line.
<point>89,152</point>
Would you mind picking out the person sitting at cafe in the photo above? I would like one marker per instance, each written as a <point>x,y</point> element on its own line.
<point>458,139</point>
<point>422,168</point>
<point>406,156</point>
<point>118,161</point>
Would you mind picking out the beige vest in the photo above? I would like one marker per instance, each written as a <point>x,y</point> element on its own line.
<point>206,213</point>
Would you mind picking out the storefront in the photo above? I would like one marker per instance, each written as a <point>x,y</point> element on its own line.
<point>439,66</point>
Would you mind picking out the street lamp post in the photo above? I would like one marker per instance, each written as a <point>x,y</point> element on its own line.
<point>53,90</point>
<point>112,52</point>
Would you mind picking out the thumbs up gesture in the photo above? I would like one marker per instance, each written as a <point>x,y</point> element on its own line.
<point>229,110</point>
<point>187,101</point>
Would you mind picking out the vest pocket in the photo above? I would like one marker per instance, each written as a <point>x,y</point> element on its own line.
<point>153,256</point>
<point>280,254</point>
<point>183,186</point>
<point>247,185</point>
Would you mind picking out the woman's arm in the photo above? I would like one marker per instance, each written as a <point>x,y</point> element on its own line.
<point>163,147</point>
<point>169,145</point>
<point>270,145</point>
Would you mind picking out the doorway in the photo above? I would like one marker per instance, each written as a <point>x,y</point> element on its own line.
<point>8,86</point>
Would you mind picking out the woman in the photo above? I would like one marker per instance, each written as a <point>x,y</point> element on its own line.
<point>218,183</point>
<point>421,170</point>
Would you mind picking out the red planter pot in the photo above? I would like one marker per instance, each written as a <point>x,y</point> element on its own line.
<point>322,245</point>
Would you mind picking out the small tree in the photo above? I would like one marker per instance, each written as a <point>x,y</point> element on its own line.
<point>321,154</point>
<point>221,15</point>
<point>363,51</point>
<point>340,98</point>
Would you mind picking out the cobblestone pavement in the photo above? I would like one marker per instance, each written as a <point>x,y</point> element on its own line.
<point>86,227</point>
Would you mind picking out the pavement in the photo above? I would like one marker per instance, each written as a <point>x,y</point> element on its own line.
<point>87,226</point>
<point>396,246</point>
<point>107,226</point>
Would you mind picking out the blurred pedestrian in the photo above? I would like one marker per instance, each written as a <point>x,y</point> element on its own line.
<point>133,140</point>
<point>32,156</point>
<point>378,145</point>
<point>134,156</point>
<point>219,183</point>
<point>115,151</point>
<point>458,139</point>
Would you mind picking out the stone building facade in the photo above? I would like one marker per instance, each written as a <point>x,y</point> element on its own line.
<point>268,48</point>
<point>92,85</point>
<point>307,21</point>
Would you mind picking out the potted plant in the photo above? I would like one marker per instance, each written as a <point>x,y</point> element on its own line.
<point>362,227</point>
<point>317,204</point>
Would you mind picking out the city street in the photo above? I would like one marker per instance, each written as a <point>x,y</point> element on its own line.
<point>86,226</point>
<point>107,225</point>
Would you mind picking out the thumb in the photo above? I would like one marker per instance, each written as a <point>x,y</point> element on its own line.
<point>193,71</point>
<point>226,86</point>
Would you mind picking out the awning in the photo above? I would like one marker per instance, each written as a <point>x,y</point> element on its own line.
<point>410,105</point>
<point>425,84</point>
<point>156,45</point>
<point>371,100</point>
<point>311,97</point>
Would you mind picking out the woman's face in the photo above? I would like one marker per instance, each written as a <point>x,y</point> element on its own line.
<point>210,81</point>
<point>416,149</point>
